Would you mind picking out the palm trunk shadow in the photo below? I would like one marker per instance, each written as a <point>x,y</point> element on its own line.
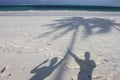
<point>66,57</point>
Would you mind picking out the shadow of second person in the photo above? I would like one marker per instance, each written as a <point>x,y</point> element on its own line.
<point>45,71</point>
<point>86,66</point>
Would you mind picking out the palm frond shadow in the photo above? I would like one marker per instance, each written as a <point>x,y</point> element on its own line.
<point>69,24</point>
<point>104,25</point>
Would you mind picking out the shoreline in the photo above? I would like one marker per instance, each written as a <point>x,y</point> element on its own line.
<point>58,13</point>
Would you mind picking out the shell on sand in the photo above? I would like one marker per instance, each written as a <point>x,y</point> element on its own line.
<point>15,42</point>
<point>61,57</point>
<point>17,46</point>
<point>46,49</point>
<point>99,63</point>
<point>40,49</point>
<point>2,45</point>
<point>97,76</point>
<point>48,54</point>
<point>72,66</point>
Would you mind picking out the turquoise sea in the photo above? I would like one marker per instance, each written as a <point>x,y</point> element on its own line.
<point>57,7</point>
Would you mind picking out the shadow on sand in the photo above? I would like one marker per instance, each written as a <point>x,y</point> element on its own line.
<point>103,25</point>
<point>43,72</point>
<point>68,24</point>
<point>86,66</point>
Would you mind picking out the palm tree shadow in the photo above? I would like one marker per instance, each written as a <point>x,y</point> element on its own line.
<point>43,72</point>
<point>86,66</point>
<point>103,25</point>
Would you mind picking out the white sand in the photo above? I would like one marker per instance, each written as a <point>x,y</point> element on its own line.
<point>22,47</point>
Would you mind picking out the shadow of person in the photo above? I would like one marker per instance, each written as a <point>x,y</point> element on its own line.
<point>86,66</point>
<point>45,71</point>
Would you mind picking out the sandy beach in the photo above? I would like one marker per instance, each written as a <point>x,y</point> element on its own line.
<point>51,45</point>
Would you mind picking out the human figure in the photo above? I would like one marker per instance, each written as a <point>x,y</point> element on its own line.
<point>86,66</point>
<point>43,72</point>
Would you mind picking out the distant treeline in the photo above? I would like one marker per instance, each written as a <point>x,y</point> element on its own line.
<point>57,7</point>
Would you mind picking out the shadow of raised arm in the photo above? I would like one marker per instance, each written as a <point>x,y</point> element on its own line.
<point>77,59</point>
<point>36,68</point>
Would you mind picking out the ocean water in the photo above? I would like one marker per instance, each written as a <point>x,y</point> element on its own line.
<point>57,7</point>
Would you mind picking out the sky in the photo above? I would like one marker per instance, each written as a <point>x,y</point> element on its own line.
<point>61,2</point>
